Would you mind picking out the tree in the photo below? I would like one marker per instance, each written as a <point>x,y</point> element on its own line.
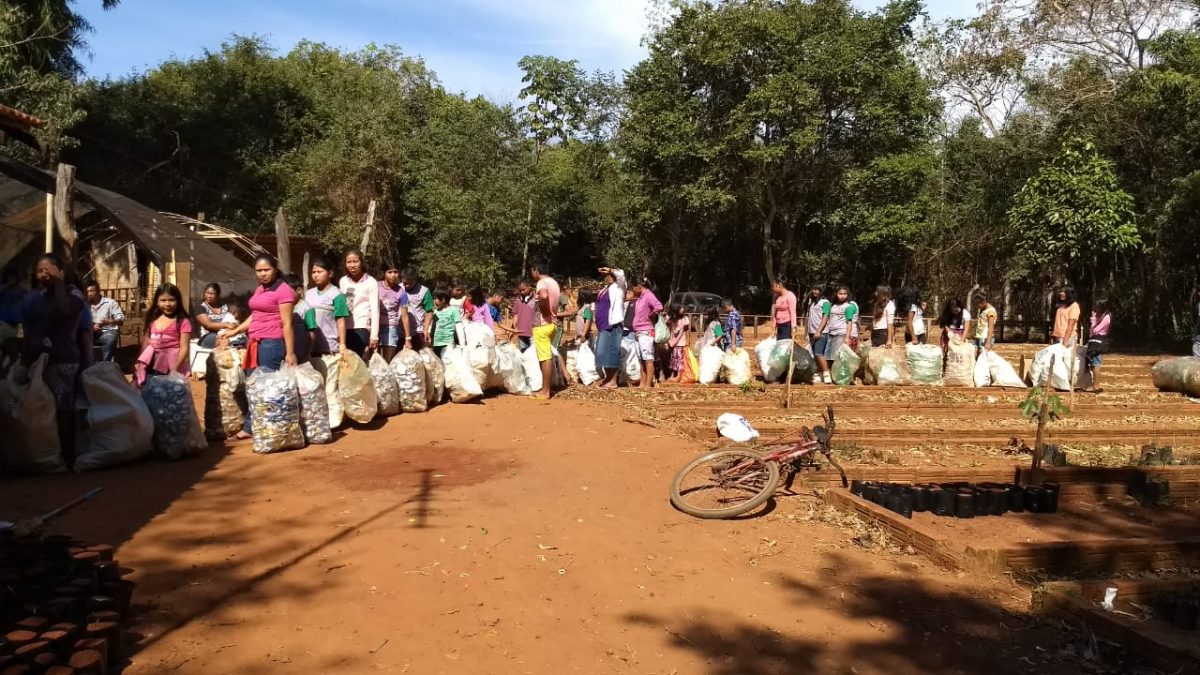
<point>758,109</point>
<point>1073,211</point>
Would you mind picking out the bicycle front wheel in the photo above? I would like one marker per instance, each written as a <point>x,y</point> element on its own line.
<point>724,484</point>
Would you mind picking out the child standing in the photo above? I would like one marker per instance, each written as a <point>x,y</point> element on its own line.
<point>985,323</point>
<point>495,297</point>
<point>523,310</point>
<point>445,319</point>
<point>362,295</point>
<point>714,334</point>
<point>480,310</point>
<point>883,330</point>
<point>301,313</point>
<point>733,326</point>
<point>585,317</point>
<point>837,322</point>
<point>1097,344</point>
<point>330,311</point>
<point>678,324</point>
<point>393,329</point>
<point>168,337</point>
<point>420,307</point>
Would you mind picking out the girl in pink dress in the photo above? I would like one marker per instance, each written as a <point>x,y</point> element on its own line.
<point>168,337</point>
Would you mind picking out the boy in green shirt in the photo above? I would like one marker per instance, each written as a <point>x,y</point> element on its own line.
<point>445,319</point>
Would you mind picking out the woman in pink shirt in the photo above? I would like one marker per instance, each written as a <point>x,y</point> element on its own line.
<point>1098,341</point>
<point>270,323</point>
<point>784,310</point>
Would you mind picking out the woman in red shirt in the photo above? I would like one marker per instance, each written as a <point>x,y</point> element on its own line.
<point>784,310</point>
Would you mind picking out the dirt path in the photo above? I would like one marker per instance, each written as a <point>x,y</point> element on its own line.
<point>516,537</point>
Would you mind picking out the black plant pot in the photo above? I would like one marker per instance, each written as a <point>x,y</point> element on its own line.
<point>906,503</point>
<point>1186,613</point>
<point>964,504</point>
<point>943,501</point>
<point>922,499</point>
<point>871,493</point>
<point>1050,490</point>
<point>856,487</point>
<point>1034,499</point>
<point>998,501</point>
<point>1016,499</point>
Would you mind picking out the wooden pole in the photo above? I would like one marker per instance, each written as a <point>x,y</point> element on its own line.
<point>1074,351</point>
<point>1039,443</point>
<point>64,208</point>
<point>366,240</point>
<point>787,400</point>
<point>283,243</point>
<point>304,271</point>
<point>49,247</point>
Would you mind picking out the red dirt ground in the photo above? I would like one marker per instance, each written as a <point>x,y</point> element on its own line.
<point>515,537</point>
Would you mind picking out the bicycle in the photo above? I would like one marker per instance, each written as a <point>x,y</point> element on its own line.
<point>734,481</point>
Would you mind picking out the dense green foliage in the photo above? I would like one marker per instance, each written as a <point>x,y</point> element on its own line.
<point>803,138</point>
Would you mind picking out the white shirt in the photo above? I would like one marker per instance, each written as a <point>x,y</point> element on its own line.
<point>918,319</point>
<point>888,318</point>
<point>616,299</point>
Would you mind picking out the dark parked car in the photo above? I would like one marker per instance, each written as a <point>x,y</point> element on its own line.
<point>696,303</point>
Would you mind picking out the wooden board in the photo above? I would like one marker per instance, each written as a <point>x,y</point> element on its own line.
<point>897,527</point>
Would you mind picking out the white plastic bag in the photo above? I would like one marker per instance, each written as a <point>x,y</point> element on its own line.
<point>960,364</point>
<point>511,369</point>
<point>585,363</point>
<point>177,431</point>
<point>31,444</point>
<point>274,410</point>
<point>1060,379</point>
<point>762,354</point>
<point>387,390</point>
<point>409,369</point>
<point>572,368</point>
<point>736,428</point>
<point>1001,372</point>
<point>735,366</point>
<point>631,362</point>
<point>330,368</point>
<point>710,364</point>
<point>119,423</point>
<point>478,343</point>
<point>982,375</point>
<point>533,369</point>
<point>460,379</point>
<point>886,368</point>
<point>925,364</point>
<point>435,377</point>
<point>356,388</point>
<point>314,404</point>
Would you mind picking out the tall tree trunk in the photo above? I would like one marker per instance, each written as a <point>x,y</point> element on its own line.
<point>767,227</point>
<point>525,246</point>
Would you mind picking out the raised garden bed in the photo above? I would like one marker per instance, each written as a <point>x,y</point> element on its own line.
<point>1133,621</point>
<point>1084,537</point>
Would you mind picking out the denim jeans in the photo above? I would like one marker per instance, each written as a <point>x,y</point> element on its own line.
<point>271,352</point>
<point>107,342</point>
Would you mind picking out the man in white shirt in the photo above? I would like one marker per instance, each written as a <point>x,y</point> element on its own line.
<point>107,318</point>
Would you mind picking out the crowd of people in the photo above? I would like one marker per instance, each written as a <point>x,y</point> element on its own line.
<point>344,307</point>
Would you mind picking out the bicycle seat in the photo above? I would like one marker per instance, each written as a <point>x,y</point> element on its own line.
<point>822,435</point>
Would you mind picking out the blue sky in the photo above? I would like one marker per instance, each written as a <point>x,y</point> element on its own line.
<point>473,45</point>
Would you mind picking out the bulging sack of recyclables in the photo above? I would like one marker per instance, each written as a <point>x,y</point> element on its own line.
<point>356,388</point>
<point>177,431</point>
<point>274,410</point>
<point>120,427</point>
<point>409,369</point>
<point>1180,375</point>
<point>387,390</point>
<point>314,404</point>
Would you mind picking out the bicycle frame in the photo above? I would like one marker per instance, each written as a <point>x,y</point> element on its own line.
<point>807,446</point>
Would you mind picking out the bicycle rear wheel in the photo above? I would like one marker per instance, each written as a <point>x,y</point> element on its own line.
<point>724,484</point>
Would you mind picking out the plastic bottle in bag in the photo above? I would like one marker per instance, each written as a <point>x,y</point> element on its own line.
<point>314,404</point>
<point>387,390</point>
<point>357,389</point>
<point>274,410</point>
<point>409,369</point>
<point>177,431</point>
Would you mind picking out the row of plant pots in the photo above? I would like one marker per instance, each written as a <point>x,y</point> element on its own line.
<point>62,606</point>
<point>960,500</point>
